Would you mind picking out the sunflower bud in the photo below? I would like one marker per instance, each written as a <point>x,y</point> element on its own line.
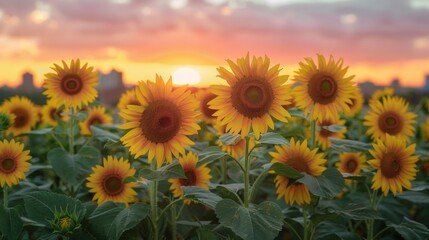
<point>65,222</point>
<point>5,121</point>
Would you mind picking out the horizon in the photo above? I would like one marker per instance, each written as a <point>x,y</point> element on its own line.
<point>378,43</point>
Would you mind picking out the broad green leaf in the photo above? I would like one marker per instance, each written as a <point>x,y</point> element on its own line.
<point>104,135</point>
<point>328,185</point>
<point>73,169</point>
<point>174,170</point>
<point>331,128</point>
<point>359,178</point>
<point>43,131</point>
<point>263,222</point>
<point>411,230</point>
<point>228,190</point>
<point>127,219</point>
<point>211,154</point>
<point>230,139</point>
<point>80,116</point>
<point>296,113</point>
<point>10,223</point>
<point>351,211</point>
<point>417,197</point>
<point>345,145</point>
<point>273,138</point>
<point>283,170</point>
<point>333,231</point>
<point>129,179</point>
<point>201,195</point>
<point>102,217</point>
<point>40,206</point>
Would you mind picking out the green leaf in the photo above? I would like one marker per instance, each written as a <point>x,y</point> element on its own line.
<point>283,170</point>
<point>73,169</point>
<point>43,131</point>
<point>263,222</point>
<point>10,223</point>
<point>211,154</point>
<point>40,206</point>
<point>104,135</point>
<point>174,170</point>
<point>345,145</point>
<point>127,219</point>
<point>332,128</point>
<point>129,179</point>
<point>359,178</point>
<point>80,116</point>
<point>328,185</point>
<point>102,217</point>
<point>417,197</point>
<point>230,139</point>
<point>273,138</point>
<point>411,230</point>
<point>351,211</point>
<point>228,190</point>
<point>201,195</point>
<point>297,113</point>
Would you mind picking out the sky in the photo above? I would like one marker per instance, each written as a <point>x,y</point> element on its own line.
<point>378,39</point>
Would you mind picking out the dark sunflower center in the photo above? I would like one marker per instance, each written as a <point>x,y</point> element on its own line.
<point>8,165</point>
<point>95,120</point>
<point>351,165</point>
<point>161,121</point>
<point>113,185</point>
<point>208,112</point>
<point>252,97</point>
<point>390,165</point>
<point>21,117</point>
<point>54,112</point>
<point>322,89</point>
<point>191,179</point>
<point>390,122</point>
<point>298,164</point>
<point>71,84</point>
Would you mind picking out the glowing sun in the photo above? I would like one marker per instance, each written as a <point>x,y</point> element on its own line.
<point>186,75</point>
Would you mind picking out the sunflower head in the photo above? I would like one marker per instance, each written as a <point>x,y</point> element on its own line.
<point>324,89</point>
<point>390,116</point>
<point>96,116</point>
<point>161,122</point>
<point>236,150</point>
<point>255,92</point>
<point>395,164</point>
<point>128,98</point>
<point>195,176</point>
<point>50,113</point>
<point>66,222</point>
<point>323,134</point>
<point>107,181</point>
<point>380,94</point>
<point>22,109</point>
<point>301,158</point>
<point>352,163</point>
<point>13,162</point>
<point>356,105</point>
<point>204,96</point>
<point>71,85</point>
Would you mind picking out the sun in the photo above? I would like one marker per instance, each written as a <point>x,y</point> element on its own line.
<point>186,75</point>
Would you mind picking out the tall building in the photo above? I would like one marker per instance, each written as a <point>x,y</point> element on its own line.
<point>27,84</point>
<point>110,87</point>
<point>426,86</point>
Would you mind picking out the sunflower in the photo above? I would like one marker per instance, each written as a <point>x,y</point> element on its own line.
<point>380,94</point>
<point>352,163</point>
<point>71,85</point>
<point>356,105</point>
<point>128,98</point>
<point>390,116</point>
<point>107,181</point>
<point>49,112</point>
<point>205,96</point>
<point>425,130</point>
<point>323,135</point>
<point>255,93</point>
<point>6,120</point>
<point>425,105</point>
<point>395,164</point>
<point>96,115</point>
<point>324,89</point>
<point>195,176</point>
<point>13,162</point>
<point>23,110</point>
<point>302,159</point>
<point>236,150</point>
<point>160,124</point>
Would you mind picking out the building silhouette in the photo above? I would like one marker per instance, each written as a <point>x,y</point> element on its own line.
<point>110,87</point>
<point>426,86</point>
<point>27,84</point>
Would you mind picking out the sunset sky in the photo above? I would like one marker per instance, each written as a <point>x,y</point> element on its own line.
<point>378,39</point>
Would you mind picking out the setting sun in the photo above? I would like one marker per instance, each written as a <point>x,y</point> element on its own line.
<point>186,75</point>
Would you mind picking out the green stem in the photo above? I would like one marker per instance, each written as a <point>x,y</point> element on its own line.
<point>154,202</point>
<point>169,206</point>
<point>5,196</point>
<point>313,134</point>
<point>246,174</point>
<point>71,135</point>
<point>381,232</point>
<point>180,210</point>
<point>173,223</point>
<point>293,229</point>
<point>304,215</point>
<point>224,170</point>
<point>257,183</point>
<point>57,140</point>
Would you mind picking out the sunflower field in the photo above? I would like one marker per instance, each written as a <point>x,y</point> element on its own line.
<point>260,156</point>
